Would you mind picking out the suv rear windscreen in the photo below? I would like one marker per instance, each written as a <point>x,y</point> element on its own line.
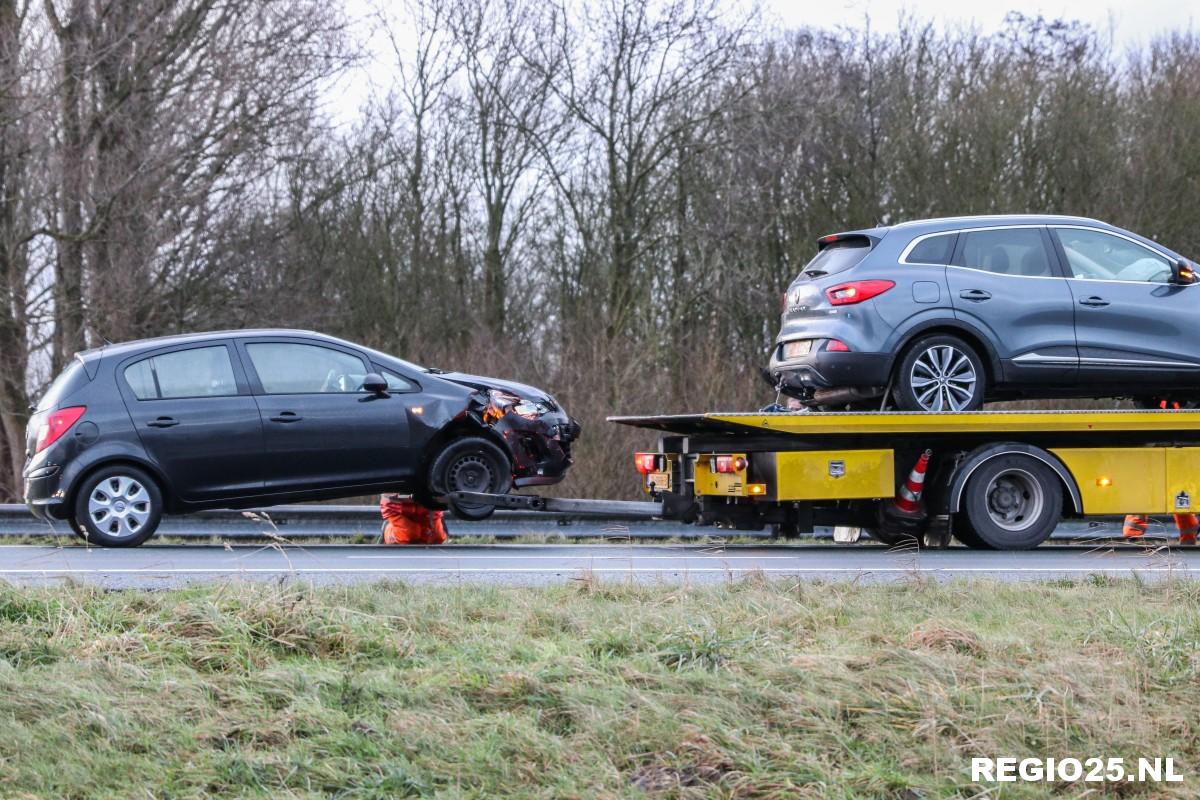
<point>838,256</point>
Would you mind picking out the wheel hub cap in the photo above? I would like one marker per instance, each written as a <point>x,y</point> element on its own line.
<point>119,506</point>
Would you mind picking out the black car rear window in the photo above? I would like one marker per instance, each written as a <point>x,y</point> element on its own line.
<point>63,386</point>
<point>838,256</point>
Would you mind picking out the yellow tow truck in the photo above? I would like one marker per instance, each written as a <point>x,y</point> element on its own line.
<point>994,479</point>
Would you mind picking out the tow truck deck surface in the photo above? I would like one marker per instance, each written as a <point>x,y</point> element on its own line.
<point>993,479</point>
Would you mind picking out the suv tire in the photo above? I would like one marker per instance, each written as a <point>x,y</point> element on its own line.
<point>118,506</point>
<point>940,373</point>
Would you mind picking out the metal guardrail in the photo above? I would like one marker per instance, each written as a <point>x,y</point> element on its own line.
<point>358,521</point>
<point>346,522</point>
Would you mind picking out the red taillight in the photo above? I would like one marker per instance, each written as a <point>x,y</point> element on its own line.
<point>836,346</point>
<point>646,462</point>
<point>728,464</point>
<point>847,294</point>
<point>57,423</point>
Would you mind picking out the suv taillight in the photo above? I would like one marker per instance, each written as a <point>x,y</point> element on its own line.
<point>56,424</point>
<point>847,294</point>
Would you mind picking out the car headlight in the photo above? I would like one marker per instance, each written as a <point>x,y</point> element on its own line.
<point>506,401</point>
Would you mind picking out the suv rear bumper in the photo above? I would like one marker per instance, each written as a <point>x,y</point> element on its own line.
<point>833,370</point>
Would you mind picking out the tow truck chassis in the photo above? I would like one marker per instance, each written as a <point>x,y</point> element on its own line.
<point>996,480</point>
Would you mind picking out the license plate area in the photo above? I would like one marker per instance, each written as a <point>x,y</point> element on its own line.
<point>797,349</point>
<point>658,482</point>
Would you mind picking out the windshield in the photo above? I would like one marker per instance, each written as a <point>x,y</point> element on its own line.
<point>837,257</point>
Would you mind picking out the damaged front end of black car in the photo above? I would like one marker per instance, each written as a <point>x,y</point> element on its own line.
<point>526,434</point>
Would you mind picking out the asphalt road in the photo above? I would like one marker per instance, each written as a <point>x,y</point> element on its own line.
<point>159,566</point>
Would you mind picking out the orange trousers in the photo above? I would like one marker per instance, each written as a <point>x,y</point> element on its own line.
<point>407,522</point>
<point>1137,524</point>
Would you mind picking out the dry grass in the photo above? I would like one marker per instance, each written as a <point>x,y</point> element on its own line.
<point>751,689</point>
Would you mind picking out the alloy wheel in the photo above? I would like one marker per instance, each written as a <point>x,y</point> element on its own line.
<point>943,379</point>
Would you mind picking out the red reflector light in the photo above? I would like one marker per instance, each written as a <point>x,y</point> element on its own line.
<point>646,462</point>
<point>848,294</point>
<point>728,464</point>
<point>57,423</point>
<point>836,346</point>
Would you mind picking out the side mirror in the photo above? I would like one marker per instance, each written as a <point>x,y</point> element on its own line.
<point>374,383</point>
<point>1182,273</point>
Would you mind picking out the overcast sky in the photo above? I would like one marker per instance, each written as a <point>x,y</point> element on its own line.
<point>1132,21</point>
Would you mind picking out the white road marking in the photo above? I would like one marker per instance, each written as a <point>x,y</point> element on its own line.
<point>507,570</point>
<point>481,557</point>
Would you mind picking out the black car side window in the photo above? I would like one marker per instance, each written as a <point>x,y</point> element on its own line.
<point>199,372</point>
<point>1019,252</point>
<point>295,368</point>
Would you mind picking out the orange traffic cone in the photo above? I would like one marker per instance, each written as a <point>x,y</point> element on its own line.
<point>1188,525</point>
<point>908,498</point>
<point>407,522</point>
<point>1136,526</point>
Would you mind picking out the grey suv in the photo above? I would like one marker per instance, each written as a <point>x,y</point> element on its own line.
<point>943,314</point>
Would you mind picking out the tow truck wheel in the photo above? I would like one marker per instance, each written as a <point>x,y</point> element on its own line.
<point>1013,502</point>
<point>470,464</point>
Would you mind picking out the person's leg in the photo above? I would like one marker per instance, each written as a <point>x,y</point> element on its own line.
<point>1136,526</point>
<point>1187,524</point>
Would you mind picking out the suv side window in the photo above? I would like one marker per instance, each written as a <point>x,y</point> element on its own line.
<point>295,368</point>
<point>1006,251</point>
<point>1099,256</point>
<point>933,250</point>
<point>199,372</point>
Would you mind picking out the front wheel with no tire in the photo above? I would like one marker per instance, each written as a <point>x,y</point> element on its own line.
<point>1012,502</point>
<point>118,506</point>
<point>940,373</point>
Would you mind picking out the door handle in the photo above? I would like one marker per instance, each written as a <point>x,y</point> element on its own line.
<point>975,295</point>
<point>287,416</point>
<point>163,422</point>
<point>1093,302</point>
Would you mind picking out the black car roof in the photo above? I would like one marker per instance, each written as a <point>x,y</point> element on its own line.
<point>138,345</point>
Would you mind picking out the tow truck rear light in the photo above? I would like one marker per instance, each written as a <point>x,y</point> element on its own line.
<point>646,462</point>
<point>56,424</point>
<point>837,346</point>
<point>847,294</point>
<point>728,464</point>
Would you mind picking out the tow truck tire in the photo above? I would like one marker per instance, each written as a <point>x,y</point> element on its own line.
<point>933,358</point>
<point>1012,502</point>
<point>470,464</point>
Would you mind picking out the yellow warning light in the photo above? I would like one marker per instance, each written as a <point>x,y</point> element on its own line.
<point>756,488</point>
<point>1104,483</point>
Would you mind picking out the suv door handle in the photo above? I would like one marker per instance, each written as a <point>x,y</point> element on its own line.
<point>1093,302</point>
<point>163,422</point>
<point>975,295</point>
<point>287,416</point>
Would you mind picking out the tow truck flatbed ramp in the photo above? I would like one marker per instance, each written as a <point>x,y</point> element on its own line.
<point>882,423</point>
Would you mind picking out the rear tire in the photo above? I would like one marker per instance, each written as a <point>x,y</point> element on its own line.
<point>470,464</point>
<point>940,373</point>
<point>1012,502</point>
<point>118,506</point>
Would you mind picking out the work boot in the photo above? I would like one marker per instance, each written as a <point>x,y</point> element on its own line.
<point>1136,526</point>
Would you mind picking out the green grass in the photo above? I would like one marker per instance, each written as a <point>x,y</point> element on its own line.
<point>749,689</point>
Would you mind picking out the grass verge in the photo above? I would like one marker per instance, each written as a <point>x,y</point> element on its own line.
<point>751,689</point>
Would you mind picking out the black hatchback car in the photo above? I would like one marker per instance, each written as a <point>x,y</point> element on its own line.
<point>250,418</point>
